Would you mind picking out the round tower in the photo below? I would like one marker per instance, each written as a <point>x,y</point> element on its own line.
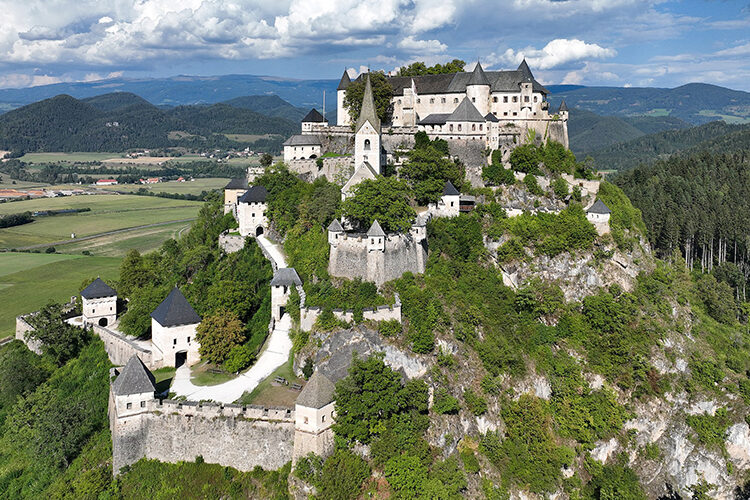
<point>478,90</point>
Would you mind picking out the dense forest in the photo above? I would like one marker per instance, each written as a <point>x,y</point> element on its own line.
<point>119,121</point>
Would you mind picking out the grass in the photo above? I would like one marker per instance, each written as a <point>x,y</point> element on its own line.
<point>42,278</point>
<point>189,187</point>
<point>200,374</point>
<point>67,157</point>
<point>7,183</point>
<point>249,138</point>
<point>117,245</point>
<point>268,393</point>
<point>108,213</point>
<point>163,377</point>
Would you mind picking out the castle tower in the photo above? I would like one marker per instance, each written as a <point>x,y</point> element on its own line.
<point>478,90</point>
<point>375,238</point>
<point>367,132</point>
<point>342,114</point>
<point>314,414</point>
<point>173,327</point>
<point>312,119</point>
<point>129,398</point>
<point>232,192</point>
<point>527,88</point>
<point>562,112</point>
<point>99,302</point>
<point>251,212</point>
<point>281,287</point>
<point>335,231</point>
<point>450,200</point>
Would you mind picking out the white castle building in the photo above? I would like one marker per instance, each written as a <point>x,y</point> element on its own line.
<point>99,302</point>
<point>173,328</point>
<point>251,212</point>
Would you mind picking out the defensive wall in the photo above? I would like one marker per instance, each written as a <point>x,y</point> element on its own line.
<point>336,169</point>
<point>308,315</point>
<point>121,348</point>
<point>22,328</point>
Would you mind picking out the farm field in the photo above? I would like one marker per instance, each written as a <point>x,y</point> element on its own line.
<point>189,187</point>
<point>144,240</point>
<point>67,157</point>
<point>152,160</point>
<point>108,213</point>
<point>21,275</point>
<point>7,183</point>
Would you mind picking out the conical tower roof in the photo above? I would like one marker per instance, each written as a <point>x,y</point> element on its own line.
<point>563,106</point>
<point>98,289</point>
<point>526,75</point>
<point>335,226</point>
<point>450,189</point>
<point>317,393</point>
<point>134,378</point>
<point>175,310</point>
<point>344,82</point>
<point>375,229</point>
<point>478,77</point>
<point>368,112</point>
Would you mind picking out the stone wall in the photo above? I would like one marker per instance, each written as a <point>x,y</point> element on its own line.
<point>336,169</point>
<point>121,348</point>
<point>231,243</point>
<point>308,315</point>
<point>22,328</point>
<point>229,435</point>
<point>349,258</point>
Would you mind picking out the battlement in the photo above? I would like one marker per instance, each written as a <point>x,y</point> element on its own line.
<point>192,409</point>
<point>308,315</point>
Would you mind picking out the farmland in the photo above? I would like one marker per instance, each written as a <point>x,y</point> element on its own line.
<point>196,186</point>
<point>108,213</point>
<point>21,275</point>
<point>67,157</point>
<point>143,239</point>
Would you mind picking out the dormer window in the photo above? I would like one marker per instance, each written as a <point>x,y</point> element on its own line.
<point>455,100</point>
<point>442,100</point>
<point>367,144</point>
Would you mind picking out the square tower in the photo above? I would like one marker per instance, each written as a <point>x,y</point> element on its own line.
<point>99,302</point>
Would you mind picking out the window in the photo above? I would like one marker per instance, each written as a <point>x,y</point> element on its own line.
<point>432,100</point>
<point>399,101</point>
<point>419,100</point>
<point>535,98</point>
<point>515,113</point>
<point>143,404</point>
<point>306,420</point>
<point>442,100</point>
<point>129,406</point>
<point>252,215</point>
<point>505,98</point>
<point>515,98</point>
<point>459,127</point>
<point>525,98</point>
<point>455,100</point>
<point>480,127</point>
<point>473,99</point>
<point>450,127</point>
<point>93,311</point>
<point>494,99</point>
<point>505,113</point>
<point>367,144</point>
<point>372,241</point>
<point>473,126</point>
<point>188,340</point>
<point>323,418</point>
<point>174,341</point>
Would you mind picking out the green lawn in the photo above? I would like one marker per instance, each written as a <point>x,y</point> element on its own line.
<point>189,187</point>
<point>67,157</point>
<point>108,213</point>
<point>42,278</point>
<point>117,245</point>
<point>267,393</point>
<point>7,183</point>
<point>200,374</point>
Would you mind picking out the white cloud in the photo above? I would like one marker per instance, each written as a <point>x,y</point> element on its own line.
<point>409,44</point>
<point>18,80</point>
<point>557,53</point>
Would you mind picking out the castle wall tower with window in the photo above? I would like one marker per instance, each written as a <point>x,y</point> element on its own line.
<point>99,302</point>
<point>174,324</point>
<point>314,413</point>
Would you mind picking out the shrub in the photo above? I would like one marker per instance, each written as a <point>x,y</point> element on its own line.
<point>496,175</point>
<point>308,369</point>
<point>560,187</point>
<point>342,476</point>
<point>532,185</point>
<point>406,474</point>
<point>557,157</point>
<point>710,429</point>
<point>239,358</point>
<point>525,158</point>
<point>389,328</point>
<point>470,461</point>
<point>444,403</point>
<point>310,469</point>
<point>475,403</point>
<point>50,250</point>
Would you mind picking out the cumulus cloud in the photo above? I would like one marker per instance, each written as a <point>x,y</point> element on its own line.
<point>18,80</point>
<point>409,44</point>
<point>557,53</point>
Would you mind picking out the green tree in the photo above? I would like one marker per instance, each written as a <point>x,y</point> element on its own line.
<point>143,301</point>
<point>133,273</point>
<point>496,175</point>
<point>266,160</point>
<point>420,68</point>
<point>385,199</point>
<point>381,91</point>
<point>560,187</point>
<point>218,334</point>
<point>426,171</point>
<point>21,371</point>
<point>342,476</point>
<point>525,158</point>
<point>532,185</point>
<point>59,340</point>
<point>406,474</point>
<point>557,157</point>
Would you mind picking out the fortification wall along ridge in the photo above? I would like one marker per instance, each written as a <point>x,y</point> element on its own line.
<point>22,328</point>
<point>308,315</point>
<point>336,169</point>
<point>120,348</point>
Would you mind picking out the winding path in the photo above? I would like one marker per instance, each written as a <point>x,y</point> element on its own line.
<point>276,353</point>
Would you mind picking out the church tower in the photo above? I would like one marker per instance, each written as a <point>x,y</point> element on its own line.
<point>367,132</point>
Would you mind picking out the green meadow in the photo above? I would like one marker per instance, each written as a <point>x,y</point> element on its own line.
<point>188,187</point>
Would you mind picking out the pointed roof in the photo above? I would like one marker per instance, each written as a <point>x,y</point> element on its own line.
<point>175,310</point>
<point>286,276</point>
<point>375,229</point>
<point>256,194</point>
<point>491,118</point>
<point>335,226</point>
<point>344,82</point>
<point>599,208</point>
<point>303,140</point>
<point>314,116</point>
<point>237,183</point>
<point>478,77</point>
<point>134,378</point>
<point>526,75</point>
<point>368,112</point>
<point>450,189</point>
<point>563,106</point>
<point>363,172</point>
<point>317,393</point>
<point>466,112</point>
<point>98,289</point>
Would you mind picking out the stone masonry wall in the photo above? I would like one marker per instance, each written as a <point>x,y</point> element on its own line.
<point>120,348</point>
<point>231,243</point>
<point>308,315</point>
<point>22,327</point>
<point>336,169</point>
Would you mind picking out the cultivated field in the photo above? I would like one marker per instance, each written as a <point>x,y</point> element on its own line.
<point>29,281</point>
<point>144,240</point>
<point>152,160</point>
<point>108,213</point>
<point>67,157</point>
<point>189,187</point>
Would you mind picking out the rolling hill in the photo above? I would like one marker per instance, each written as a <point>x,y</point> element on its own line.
<point>269,105</point>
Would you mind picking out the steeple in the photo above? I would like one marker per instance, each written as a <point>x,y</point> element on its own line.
<point>368,111</point>
<point>478,77</point>
<point>344,82</point>
<point>563,106</point>
<point>526,75</point>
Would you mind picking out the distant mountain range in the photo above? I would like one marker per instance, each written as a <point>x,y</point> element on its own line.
<point>121,120</point>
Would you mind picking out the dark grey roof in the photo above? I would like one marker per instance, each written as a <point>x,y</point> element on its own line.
<point>344,82</point>
<point>375,229</point>
<point>599,208</point>
<point>286,276</point>
<point>526,75</point>
<point>368,111</point>
<point>317,393</point>
<point>134,378</point>
<point>563,106</point>
<point>335,226</point>
<point>256,194</point>
<point>466,112</point>
<point>314,116</point>
<point>435,119</point>
<point>450,189</point>
<point>478,77</point>
<point>98,289</point>
<point>238,183</point>
<point>302,140</point>
<point>175,310</point>
<point>491,118</point>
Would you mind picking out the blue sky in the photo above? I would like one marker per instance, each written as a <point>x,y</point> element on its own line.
<point>588,42</point>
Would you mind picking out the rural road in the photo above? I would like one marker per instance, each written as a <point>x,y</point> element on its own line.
<point>278,347</point>
<point>99,235</point>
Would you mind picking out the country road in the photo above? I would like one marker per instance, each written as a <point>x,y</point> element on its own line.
<point>98,235</point>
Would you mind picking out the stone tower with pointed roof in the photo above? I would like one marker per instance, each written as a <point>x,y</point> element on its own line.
<point>367,147</point>
<point>99,304</point>
<point>251,212</point>
<point>314,414</point>
<point>342,114</point>
<point>313,118</point>
<point>478,90</point>
<point>173,327</point>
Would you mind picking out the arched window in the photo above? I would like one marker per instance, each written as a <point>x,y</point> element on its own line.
<point>450,127</point>
<point>473,126</point>
<point>367,144</point>
<point>459,127</point>
<point>494,99</point>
